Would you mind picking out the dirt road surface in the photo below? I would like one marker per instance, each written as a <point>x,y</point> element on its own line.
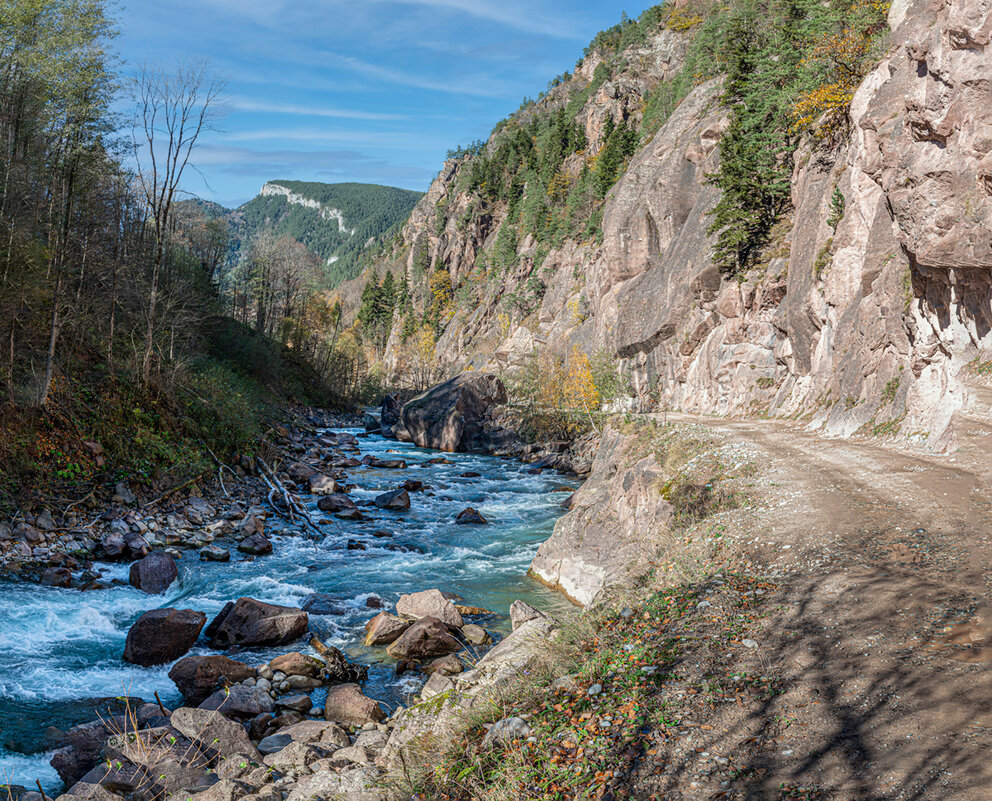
<point>878,630</point>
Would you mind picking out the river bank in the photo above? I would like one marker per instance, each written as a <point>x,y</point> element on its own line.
<point>63,644</point>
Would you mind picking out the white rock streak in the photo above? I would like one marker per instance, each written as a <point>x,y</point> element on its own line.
<point>272,189</point>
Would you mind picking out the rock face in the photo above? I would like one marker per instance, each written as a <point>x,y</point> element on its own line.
<point>248,622</point>
<point>154,574</point>
<point>858,323</point>
<point>450,416</point>
<point>162,636</point>
<point>196,677</point>
<point>390,415</point>
<point>616,522</point>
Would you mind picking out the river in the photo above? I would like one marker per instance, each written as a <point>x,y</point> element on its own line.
<point>60,649</point>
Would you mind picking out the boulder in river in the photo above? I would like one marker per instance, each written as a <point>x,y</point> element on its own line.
<point>256,545</point>
<point>162,636</point>
<point>449,665</point>
<point>248,622</point>
<point>371,423</point>
<point>214,553</point>
<point>335,502</point>
<point>398,500</point>
<point>476,635</point>
<point>323,485</point>
<point>154,574</point>
<point>57,577</point>
<point>425,639</point>
<point>297,664</point>
<point>385,464</point>
<point>196,677</point>
<point>347,705</point>
<point>471,516</point>
<point>429,603</point>
<point>384,629</point>
<point>449,416</point>
<point>320,603</point>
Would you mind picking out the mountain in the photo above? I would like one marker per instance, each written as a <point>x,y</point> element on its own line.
<point>731,225</point>
<point>337,222</point>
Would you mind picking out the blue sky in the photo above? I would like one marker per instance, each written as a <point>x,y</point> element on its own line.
<point>369,90</point>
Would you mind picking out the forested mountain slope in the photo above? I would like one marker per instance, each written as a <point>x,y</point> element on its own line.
<point>336,222</point>
<point>742,208</point>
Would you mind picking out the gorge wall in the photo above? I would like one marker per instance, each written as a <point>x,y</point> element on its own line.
<point>860,319</point>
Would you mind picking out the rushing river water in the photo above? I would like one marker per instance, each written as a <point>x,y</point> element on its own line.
<point>60,649</point>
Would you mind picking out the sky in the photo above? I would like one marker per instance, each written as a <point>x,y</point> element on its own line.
<point>374,91</point>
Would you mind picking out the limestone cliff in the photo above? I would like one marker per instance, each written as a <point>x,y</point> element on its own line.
<point>862,315</point>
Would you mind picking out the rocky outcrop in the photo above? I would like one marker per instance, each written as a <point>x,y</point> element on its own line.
<point>450,416</point>
<point>617,521</point>
<point>865,309</point>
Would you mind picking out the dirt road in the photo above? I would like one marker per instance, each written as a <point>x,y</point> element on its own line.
<point>878,630</point>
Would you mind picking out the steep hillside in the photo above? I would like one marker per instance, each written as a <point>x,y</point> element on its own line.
<point>337,222</point>
<point>754,208</point>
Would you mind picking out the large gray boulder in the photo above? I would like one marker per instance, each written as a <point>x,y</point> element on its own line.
<point>213,732</point>
<point>248,622</point>
<point>450,416</point>
<point>390,415</point>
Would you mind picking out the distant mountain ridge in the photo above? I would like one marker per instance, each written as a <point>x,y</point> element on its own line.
<point>337,222</point>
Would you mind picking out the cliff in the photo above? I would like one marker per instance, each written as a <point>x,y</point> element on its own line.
<point>872,295</point>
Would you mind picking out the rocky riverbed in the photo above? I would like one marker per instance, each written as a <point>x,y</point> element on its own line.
<point>137,596</point>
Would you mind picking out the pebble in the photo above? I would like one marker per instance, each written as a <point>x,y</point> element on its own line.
<point>749,643</point>
<point>596,689</point>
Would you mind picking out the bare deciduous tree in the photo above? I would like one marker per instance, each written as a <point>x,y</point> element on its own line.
<point>174,109</point>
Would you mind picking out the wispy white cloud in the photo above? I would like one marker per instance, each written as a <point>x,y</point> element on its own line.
<point>246,104</point>
<point>479,86</point>
<point>522,18</point>
<point>392,139</point>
